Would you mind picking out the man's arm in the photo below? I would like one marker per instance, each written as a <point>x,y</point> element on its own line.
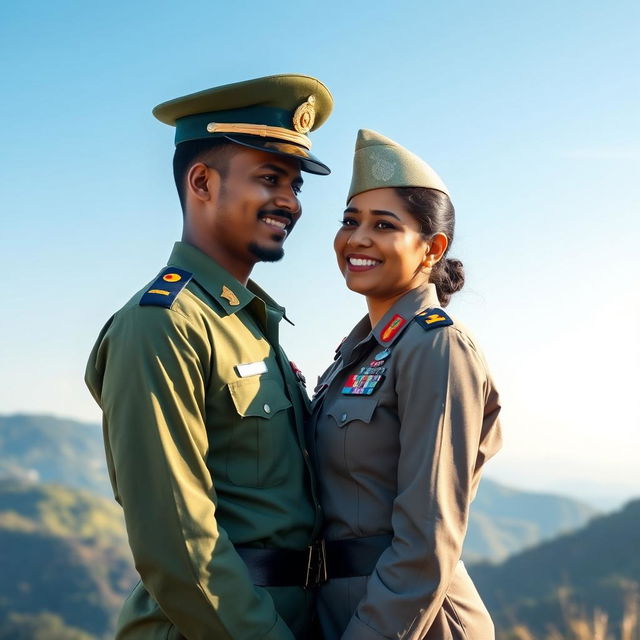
<point>149,374</point>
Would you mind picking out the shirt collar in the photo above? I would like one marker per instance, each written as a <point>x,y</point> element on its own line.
<point>394,321</point>
<point>218,282</point>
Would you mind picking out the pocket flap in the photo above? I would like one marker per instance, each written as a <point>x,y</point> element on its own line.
<point>345,410</point>
<point>259,397</point>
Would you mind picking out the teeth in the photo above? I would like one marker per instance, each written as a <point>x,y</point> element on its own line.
<point>275,223</point>
<point>363,262</point>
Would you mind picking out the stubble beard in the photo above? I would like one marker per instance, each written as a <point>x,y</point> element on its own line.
<point>266,255</point>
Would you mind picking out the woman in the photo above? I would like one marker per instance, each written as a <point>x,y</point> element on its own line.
<point>404,419</point>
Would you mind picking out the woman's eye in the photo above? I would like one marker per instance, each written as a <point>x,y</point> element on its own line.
<point>347,222</point>
<point>384,225</point>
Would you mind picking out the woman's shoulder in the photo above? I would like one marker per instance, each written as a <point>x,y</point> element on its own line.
<point>436,334</point>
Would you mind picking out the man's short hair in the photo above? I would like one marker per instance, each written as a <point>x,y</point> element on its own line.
<point>214,153</point>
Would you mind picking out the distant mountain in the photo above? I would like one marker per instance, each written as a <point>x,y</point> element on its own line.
<point>64,555</point>
<point>595,567</point>
<point>65,566</point>
<point>504,521</point>
<point>56,450</point>
<point>71,453</point>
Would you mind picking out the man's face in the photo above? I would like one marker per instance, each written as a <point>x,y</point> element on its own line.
<point>255,209</point>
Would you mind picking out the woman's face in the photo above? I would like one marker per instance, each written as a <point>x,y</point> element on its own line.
<point>379,246</point>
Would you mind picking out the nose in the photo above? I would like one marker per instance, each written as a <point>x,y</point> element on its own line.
<point>359,237</point>
<point>286,199</point>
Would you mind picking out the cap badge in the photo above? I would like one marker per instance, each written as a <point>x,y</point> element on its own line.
<point>382,169</point>
<point>305,115</point>
<point>229,296</point>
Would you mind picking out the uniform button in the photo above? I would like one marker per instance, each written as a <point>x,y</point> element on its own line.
<point>267,408</point>
<point>343,417</point>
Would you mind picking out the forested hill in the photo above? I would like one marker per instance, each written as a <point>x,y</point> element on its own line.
<point>66,566</point>
<point>504,520</point>
<point>597,567</point>
<point>64,557</point>
<point>57,450</point>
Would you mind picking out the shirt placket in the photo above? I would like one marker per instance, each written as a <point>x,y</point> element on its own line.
<point>269,322</point>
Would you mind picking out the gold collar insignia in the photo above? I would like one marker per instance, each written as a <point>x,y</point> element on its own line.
<point>229,296</point>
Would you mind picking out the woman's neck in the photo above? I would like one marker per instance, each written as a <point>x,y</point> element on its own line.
<point>377,308</point>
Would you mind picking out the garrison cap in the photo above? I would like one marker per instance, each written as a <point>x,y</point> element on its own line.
<point>271,114</point>
<point>380,162</point>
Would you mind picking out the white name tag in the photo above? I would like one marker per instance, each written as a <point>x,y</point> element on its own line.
<point>251,369</point>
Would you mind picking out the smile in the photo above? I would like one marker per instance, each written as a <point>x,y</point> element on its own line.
<point>362,263</point>
<point>280,222</point>
<point>274,223</point>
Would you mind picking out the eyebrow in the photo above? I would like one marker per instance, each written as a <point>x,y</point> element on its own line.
<point>280,171</point>
<point>375,212</point>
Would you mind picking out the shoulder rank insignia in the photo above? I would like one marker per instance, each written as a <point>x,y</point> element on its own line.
<point>432,318</point>
<point>166,288</point>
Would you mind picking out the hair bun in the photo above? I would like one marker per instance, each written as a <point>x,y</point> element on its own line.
<point>452,279</point>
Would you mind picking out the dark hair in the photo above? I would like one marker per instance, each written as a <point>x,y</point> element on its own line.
<point>214,153</point>
<point>435,213</point>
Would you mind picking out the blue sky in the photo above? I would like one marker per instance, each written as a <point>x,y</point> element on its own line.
<point>529,111</point>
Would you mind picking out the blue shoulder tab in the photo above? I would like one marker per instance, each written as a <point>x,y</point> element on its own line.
<point>166,287</point>
<point>433,318</point>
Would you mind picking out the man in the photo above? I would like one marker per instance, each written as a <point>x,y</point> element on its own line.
<point>202,411</point>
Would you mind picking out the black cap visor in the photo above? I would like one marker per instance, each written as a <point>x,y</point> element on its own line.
<point>308,162</point>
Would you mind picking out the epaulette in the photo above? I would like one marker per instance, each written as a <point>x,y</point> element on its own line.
<point>166,287</point>
<point>433,318</point>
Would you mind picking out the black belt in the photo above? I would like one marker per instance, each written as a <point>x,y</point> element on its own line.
<point>285,567</point>
<point>319,562</point>
<point>354,556</point>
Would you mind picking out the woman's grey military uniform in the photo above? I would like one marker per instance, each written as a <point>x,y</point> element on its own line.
<point>403,422</point>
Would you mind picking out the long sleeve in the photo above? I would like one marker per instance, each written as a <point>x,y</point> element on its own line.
<point>447,410</point>
<point>149,372</point>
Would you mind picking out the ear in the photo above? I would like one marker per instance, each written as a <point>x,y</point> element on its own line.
<point>437,246</point>
<point>203,182</point>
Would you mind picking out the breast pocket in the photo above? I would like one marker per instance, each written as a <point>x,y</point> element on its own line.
<point>346,410</point>
<point>369,435</point>
<point>261,439</point>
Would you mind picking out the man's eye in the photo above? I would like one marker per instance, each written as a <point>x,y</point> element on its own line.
<point>271,179</point>
<point>296,189</point>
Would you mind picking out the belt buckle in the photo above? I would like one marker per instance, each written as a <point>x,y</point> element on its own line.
<point>316,564</point>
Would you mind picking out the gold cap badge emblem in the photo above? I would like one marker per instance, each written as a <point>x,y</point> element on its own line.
<point>305,115</point>
<point>229,296</point>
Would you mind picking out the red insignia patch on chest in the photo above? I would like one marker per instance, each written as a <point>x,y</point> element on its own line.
<point>393,326</point>
<point>297,373</point>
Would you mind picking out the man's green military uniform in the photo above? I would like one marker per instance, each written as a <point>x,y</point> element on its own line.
<point>203,426</point>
